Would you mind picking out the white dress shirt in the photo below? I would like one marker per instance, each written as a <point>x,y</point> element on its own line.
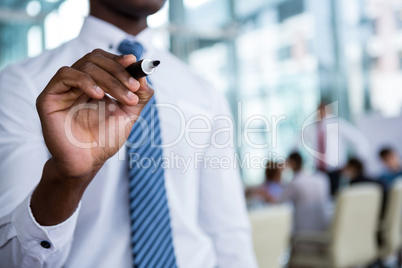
<point>208,214</point>
<point>309,195</point>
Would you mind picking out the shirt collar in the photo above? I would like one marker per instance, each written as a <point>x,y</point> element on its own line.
<point>101,34</point>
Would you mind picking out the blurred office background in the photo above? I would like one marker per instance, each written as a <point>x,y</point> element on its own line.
<point>277,57</point>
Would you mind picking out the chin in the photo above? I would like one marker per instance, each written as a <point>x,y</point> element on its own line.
<point>135,8</point>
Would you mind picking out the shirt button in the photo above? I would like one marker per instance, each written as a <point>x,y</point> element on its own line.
<point>45,244</point>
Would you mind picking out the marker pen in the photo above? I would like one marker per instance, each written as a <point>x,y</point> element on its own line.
<point>142,68</point>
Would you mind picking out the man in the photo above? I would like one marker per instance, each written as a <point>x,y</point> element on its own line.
<point>354,172</point>
<point>71,193</point>
<point>272,188</point>
<point>332,139</point>
<point>393,166</point>
<point>309,194</point>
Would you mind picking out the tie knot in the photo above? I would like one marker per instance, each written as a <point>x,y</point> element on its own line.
<point>131,47</point>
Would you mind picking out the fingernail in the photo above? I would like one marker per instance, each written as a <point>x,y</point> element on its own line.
<point>98,89</point>
<point>127,56</point>
<point>132,81</point>
<point>131,95</point>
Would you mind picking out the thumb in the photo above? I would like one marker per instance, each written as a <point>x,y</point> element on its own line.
<point>145,92</point>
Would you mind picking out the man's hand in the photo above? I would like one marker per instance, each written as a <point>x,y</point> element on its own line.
<point>83,127</point>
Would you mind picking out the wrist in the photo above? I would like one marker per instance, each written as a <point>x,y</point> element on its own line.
<point>77,175</point>
<point>56,197</point>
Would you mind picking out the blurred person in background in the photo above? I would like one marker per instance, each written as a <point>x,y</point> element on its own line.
<point>272,188</point>
<point>64,204</point>
<point>309,195</point>
<point>354,173</point>
<point>332,137</point>
<point>393,166</point>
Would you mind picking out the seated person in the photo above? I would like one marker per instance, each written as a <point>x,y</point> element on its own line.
<point>354,172</point>
<point>309,194</point>
<point>271,190</point>
<point>393,166</point>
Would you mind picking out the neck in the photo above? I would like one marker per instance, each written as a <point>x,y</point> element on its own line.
<point>129,24</point>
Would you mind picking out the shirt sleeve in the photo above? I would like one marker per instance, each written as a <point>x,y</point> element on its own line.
<point>23,154</point>
<point>223,214</point>
<point>289,194</point>
<point>24,243</point>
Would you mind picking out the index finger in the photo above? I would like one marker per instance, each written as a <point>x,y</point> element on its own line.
<point>105,53</point>
<point>125,60</point>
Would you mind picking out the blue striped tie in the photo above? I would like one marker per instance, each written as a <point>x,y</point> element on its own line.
<point>151,239</point>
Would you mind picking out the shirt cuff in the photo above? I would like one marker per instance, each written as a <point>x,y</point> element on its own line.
<point>39,240</point>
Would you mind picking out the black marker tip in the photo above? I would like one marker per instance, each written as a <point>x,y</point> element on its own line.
<point>156,63</point>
